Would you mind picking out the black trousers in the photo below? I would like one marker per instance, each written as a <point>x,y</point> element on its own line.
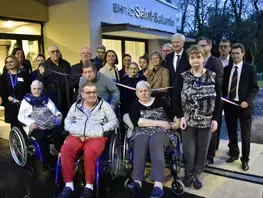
<point>233,114</point>
<point>42,140</point>
<point>214,142</point>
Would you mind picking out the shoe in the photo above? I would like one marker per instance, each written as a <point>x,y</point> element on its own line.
<point>188,180</point>
<point>232,159</point>
<point>209,161</point>
<point>87,193</point>
<point>134,188</point>
<point>197,184</point>
<point>66,193</point>
<point>245,166</point>
<point>157,193</point>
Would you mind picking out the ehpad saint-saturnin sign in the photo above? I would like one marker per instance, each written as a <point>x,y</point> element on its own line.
<point>138,12</point>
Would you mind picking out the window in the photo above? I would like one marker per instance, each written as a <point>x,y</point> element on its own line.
<point>122,45</point>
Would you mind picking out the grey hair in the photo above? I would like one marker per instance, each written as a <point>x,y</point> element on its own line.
<point>178,35</point>
<point>156,52</point>
<point>143,84</point>
<point>52,46</point>
<point>169,45</point>
<point>85,47</point>
<point>37,83</point>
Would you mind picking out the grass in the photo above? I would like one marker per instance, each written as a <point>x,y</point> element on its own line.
<point>260,83</point>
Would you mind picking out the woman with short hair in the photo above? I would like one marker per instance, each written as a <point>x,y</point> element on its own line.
<point>41,118</point>
<point>197,104</point>
<point>158,76</point>
<point>152,119</point>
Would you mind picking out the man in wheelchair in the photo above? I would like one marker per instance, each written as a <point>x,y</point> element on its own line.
<point>88,122</point>
<point>40,119</point>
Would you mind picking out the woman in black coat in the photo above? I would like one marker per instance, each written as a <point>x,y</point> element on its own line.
<point>15,84</point>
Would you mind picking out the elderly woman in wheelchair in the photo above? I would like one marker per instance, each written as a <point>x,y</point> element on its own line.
<point>40,119</point>
<point>90,121</point>
<point>151,118</point>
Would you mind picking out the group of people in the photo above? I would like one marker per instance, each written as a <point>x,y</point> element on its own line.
<point>180,90</point>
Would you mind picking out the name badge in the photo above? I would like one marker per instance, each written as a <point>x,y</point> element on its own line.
<point>19,79</point>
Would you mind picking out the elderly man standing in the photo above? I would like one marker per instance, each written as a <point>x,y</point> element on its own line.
<point>177,62</point>
<point>76,70</point>
<point>89,122</point>
<point>167,48</point>
<point>55,73</point>
<point>100,54</point>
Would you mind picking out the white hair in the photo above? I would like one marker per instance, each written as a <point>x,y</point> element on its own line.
<point>37,83</point>
<point>85,47</point>
<point>178,35</point>
<point>169,45</point>
<point>52,46</point>
<point>143,84</point>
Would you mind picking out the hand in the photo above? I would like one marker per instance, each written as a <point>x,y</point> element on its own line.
<point>165,124</point>
<point>244,105</point>
<point>183,124</point>
<point>16,101</point>
<point>41,70</point>
<point>213,126</point>
<point>32,127</point>
<point>1,100</point>
<point>175,125</point>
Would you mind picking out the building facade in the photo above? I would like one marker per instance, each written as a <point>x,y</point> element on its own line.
<point>132,26</point>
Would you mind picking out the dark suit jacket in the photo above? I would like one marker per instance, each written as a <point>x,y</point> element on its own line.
<point>215,65</point>
<point>248,86</point>
<point>182,66</point>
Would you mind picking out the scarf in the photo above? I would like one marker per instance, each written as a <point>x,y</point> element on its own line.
<point>40,101</point>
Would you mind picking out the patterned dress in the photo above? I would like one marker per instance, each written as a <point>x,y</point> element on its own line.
<point>159,110</point>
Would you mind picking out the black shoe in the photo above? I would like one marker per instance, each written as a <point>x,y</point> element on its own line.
<point>87,193</point>
<point>197,184</point>
<point>245,166</point>
<point>66,193</point>
<point>209,161</point>
<point>188,180</point>
<point>232,159</point>
<point>157,193</point>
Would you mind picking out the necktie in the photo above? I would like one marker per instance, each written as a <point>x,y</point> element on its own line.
<point>178,60</point>
<point>233,87</point>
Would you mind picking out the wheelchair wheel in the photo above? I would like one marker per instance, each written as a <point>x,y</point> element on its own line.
<point>177,187</point>
<point>18,146</point>
<point>115,155</point>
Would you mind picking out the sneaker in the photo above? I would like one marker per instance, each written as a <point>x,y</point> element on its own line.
<point>197,183</point>
<point>134,188</point>
<point>157,193</point>
<point>66,193</point>
<point>87,193</point>
<point>188,180</point>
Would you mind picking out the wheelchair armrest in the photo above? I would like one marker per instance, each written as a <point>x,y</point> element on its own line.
<point>127,121</point>
<point>64,132</point>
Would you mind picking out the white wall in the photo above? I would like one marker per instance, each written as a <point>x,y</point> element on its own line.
<point>102,11</point>
<point>68,27</point>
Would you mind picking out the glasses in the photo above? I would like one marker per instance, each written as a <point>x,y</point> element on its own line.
<point>90,92</point>
<point>86,53</point>
<point>55,51</point>
<point>203,45</point>
<point>101,52</point>
<point>9,62</point>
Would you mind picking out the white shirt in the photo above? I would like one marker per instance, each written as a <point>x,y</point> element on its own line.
<point>226,61</point>
<point>176,57</point>
<point>239,69</point>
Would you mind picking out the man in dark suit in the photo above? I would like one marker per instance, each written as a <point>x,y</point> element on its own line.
<point>167,48</point>
<point>214,64</point>
<point>224,50</point>
<point>177,61</point>
<point>240,86</point>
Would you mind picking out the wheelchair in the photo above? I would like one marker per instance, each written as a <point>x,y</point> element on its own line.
<point>173,157</point>
<point>109,161</point>
<point>24,148</point>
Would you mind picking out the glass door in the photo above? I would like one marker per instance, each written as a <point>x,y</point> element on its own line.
<point>6,47</point>
<point>31,50</point>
